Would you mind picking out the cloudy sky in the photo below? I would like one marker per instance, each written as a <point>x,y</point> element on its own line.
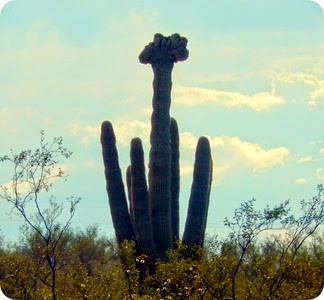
<point>253,83</point>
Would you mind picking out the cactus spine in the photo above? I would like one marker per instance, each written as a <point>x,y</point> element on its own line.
<point>153,216</point>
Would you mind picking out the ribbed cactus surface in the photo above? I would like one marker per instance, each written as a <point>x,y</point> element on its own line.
<point>152,217</point>
<point>141,206</point>
<point>199,197</point>
<point>175,179</point>
<point>114,184</point>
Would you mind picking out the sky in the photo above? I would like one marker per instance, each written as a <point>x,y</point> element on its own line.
<point>253,84</point>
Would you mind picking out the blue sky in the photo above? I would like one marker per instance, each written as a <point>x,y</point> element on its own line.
<point>253,83</point>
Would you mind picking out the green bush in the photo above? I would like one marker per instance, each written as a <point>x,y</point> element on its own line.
<point>245,265</point>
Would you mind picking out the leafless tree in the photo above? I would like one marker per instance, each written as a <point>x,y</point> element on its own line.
<point>34,172</point>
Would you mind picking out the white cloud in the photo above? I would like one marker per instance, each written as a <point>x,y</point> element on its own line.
<point>303,159</point>
<point>321,151</point>
<point>301,180</point>
<point>232,152</point>
<point>222,78</point>
<point>292,77</point>
<point>191,96</point>
<point>309,60</point>
<point>188,140</point>
<point>318,92</point>
<point>319,174</point>
<point>24,187</point>
<point>85,130</point>
<point>10,187</point>
<point>146,111</point>
<point>185,168</point>
<point>124,130</point>
<point>316,95</point>
<point>219,170</point>
<point>253,154</point>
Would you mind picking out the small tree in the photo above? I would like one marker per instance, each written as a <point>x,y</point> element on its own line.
<point>248,223</point>
<point>33,173</point>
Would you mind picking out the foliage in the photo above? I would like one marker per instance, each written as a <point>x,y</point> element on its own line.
<point>33,174</point>
<point>287,263</point>
<point>84,259</point>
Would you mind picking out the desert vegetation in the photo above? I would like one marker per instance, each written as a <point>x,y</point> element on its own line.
<point>245,265</point>
<point>268,254</point>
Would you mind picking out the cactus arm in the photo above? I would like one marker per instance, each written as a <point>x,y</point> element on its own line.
<point>198,202</point>
<point>141,206</point>
<point>129,192</point>
<point>208,199</point>
<point>175,179</point>
<point>114,185</point>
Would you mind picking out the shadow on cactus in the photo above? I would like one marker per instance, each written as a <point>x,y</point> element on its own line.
<point>151,217</point>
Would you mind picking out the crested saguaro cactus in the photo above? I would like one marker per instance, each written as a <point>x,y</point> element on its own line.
<point>152,216</point>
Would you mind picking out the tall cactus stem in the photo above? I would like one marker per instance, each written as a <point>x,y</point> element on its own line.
<point>160,161</point>
<point>175,179</point>
<point>114,185</point>
<point>198,202</point>
<point>162,53</point>
<point>141,206</point>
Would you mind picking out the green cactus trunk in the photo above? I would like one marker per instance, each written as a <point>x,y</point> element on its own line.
<point>160,160</point>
